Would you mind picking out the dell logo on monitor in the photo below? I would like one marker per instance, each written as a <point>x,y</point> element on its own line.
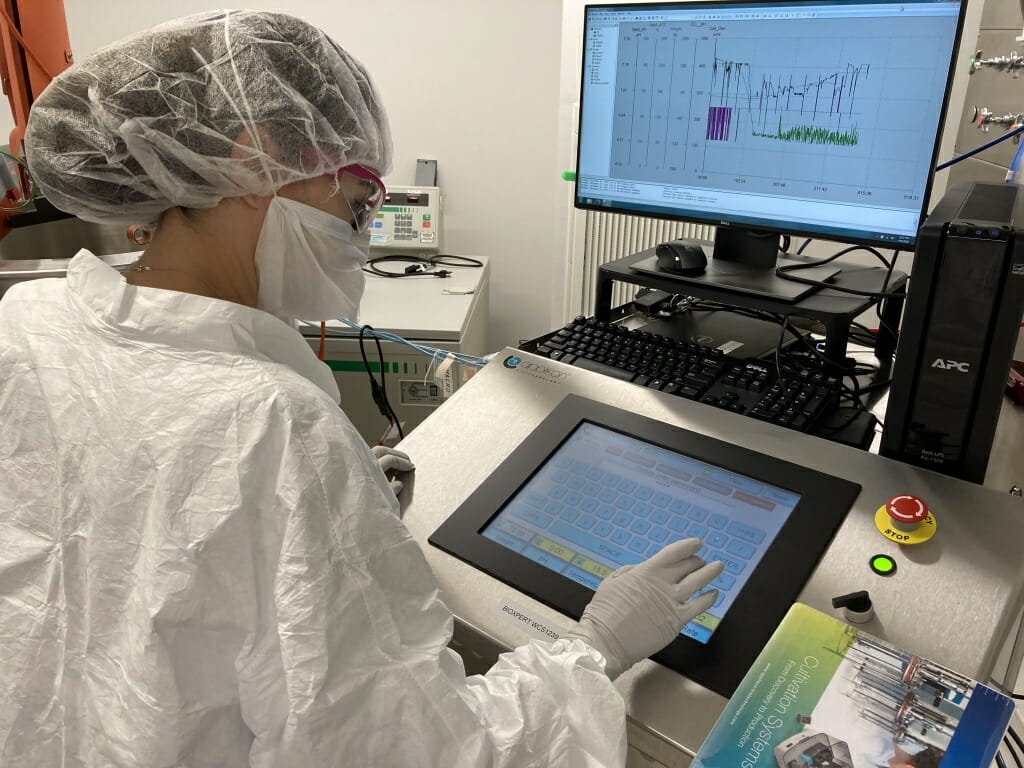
<point>951,365</point>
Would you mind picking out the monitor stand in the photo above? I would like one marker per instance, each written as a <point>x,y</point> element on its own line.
<point>744,261</point>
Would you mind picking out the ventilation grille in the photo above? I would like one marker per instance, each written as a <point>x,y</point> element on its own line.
<point>611,236</point>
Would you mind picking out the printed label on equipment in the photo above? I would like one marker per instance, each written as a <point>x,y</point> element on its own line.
<point>415,392</point>
<point>730,346</point>
<point>542,629</point>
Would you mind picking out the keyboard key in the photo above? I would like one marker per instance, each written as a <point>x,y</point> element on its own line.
<point>679,507</point>
<point>512,528</point>
<point>654,549</point>
<point>620,536</point>
<point>586,522</point>
<point>724,581</point>
<point>545,558</point>
<point>607,370</point>
<point>623,519</point>
<point>511,542</point>
<point>678,524</point>
<point>535,499</point>
<point>589,505</point>
<point>603,529</point>
<point>591,489</point>
<point>697,531</point>
<point>642,509</point>
<point>659,517</point>
<point>639,458</point>
<point>746,532</point>
<point>570,514</point>
<point>610,480</point>
<point>627,486</point>
<point>699,514</point>
<point>624,503</point>
<point>718,522</point>
<point>639,545</point>
<point>676,472</point>
<point>561,477</point>
<point>579,467</point>
<point>594,474</point>
<point>732,565</point>
<point>720,599</point>
<point>554,507</point>
<point>640,526</point>
<point>658,534</point>
<point>716,540</point>
<point>741,549</point>
<point>605,512</point>
<point>643,493</point>
<point>576,483</point>
<point>558,492</point>
<point>661,499</point>
<point>608,495</point>
<point>572,499</point>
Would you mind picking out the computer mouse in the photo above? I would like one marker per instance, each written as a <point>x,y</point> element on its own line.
<point>680,257</point>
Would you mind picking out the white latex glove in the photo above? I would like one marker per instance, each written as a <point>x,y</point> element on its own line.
<point>392,462</point>
<point>639,609</point>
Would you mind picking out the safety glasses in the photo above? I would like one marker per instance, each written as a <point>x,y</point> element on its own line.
<point>365,193</point>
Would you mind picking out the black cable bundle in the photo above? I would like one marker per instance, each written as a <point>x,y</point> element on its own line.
<point>377,390</point>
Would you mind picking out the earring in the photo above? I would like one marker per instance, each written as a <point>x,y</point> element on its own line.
<point>139,235</point>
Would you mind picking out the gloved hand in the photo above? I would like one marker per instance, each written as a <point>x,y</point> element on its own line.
<point>392,462</point>
<point>639,609</point>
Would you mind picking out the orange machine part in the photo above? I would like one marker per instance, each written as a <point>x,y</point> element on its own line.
<point>34,48</point>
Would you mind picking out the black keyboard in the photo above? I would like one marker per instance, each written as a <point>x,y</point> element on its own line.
<point>798,399</point>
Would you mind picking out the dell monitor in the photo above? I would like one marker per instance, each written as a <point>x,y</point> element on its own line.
<point>815,119</point>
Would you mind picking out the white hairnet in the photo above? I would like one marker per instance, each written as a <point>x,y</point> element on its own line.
<point>215,105</point>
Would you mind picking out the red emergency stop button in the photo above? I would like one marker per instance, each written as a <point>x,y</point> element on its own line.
<point>905,519</point>
<point>907,512</point>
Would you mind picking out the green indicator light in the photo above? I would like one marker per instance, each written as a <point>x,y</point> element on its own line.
<point>883,565</point>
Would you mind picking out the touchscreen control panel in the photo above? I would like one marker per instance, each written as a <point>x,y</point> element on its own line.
<point>606,499</point>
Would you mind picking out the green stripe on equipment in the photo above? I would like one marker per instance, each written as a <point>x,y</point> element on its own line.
<point>357,365</point>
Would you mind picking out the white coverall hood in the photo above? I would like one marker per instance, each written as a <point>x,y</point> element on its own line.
<point>203,564</point>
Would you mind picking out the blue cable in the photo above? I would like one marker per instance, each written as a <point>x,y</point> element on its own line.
<point>1016,131</point>
<point>432,352</point>
<point>1011,174</point>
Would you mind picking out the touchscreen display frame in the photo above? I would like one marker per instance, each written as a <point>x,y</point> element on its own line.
<point>771,589</point>
<point>604,499</point>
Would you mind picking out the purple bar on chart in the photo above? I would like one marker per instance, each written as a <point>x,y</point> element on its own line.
<point>719,119</point>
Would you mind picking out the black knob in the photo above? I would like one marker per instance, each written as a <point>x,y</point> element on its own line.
<point>858,602</point>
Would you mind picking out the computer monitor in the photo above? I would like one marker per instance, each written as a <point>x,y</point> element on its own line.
<point>817,119</point>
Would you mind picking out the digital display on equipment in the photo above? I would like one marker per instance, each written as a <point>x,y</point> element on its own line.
<point>605,499</point>
<point>802,117</point>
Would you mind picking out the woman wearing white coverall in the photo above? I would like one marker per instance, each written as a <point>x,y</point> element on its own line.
<point>202,564</point>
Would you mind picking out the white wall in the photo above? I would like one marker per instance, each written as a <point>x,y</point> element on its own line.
<point>470,83</point>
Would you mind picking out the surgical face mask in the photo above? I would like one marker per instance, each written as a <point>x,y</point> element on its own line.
<point>309,263</point>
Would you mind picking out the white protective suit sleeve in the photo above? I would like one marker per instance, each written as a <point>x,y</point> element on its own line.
<point>357,671</point>
<point>203,567</point>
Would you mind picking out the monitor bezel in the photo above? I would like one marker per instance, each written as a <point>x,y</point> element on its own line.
<point>856,237</point>
<point>773,586</point>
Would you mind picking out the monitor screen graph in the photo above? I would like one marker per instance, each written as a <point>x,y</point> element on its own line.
<point>808,118</point>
